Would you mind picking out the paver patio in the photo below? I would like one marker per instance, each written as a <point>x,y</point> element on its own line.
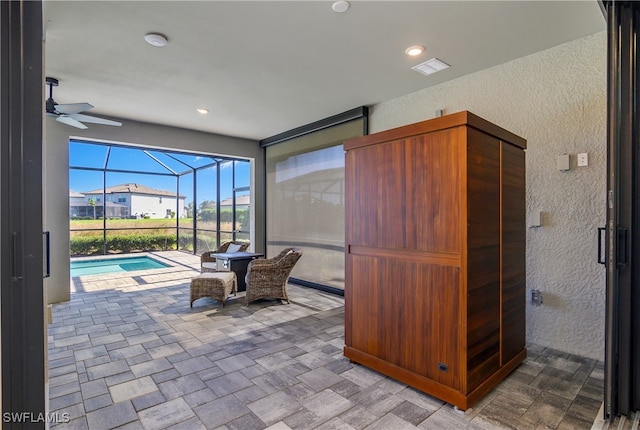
<point>128,352</point>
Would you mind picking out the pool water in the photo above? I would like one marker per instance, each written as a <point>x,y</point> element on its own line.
<point>114,265</point>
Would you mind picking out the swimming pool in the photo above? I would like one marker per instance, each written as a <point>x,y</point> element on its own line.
<point>98,266</point>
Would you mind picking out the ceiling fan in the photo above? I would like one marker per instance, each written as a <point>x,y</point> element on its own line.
<point>70,113</point>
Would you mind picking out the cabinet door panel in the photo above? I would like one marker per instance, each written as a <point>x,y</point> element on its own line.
<point>432,217</point>
<point>483,190</point>
<point>513,251</point>
<point>406,313</point>
<point>483,257</point>
<point>377,202</point>
<point>362,286</point>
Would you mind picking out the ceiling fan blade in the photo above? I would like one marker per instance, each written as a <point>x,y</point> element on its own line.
<point>95,120</point>
<point>71,108</point>
<point>70,121</point>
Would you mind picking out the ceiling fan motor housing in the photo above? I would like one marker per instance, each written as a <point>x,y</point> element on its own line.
<point>51,106</point>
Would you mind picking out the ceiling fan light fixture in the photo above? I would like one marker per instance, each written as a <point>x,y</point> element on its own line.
<point>156,39</point>
<point>414,51</point>
<point>340,6</point>
<point>203,111</point>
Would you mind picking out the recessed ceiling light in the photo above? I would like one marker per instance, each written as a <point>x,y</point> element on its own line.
<point>203,110</point>
<point>431,66</point>
<point>414,50</point>
<point>340,6</point>
<point>156,39</point>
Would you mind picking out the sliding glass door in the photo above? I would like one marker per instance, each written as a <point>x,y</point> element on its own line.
<point>622,257</point>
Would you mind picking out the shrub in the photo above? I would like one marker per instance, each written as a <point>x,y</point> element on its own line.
<point>185,242</point>
<point>242,217</point>
<point>226,215</point>
<point>207,214</point>
<point>86,245</point>
<point>204,243</point>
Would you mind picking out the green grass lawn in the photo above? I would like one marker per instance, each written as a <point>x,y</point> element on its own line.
<point>93,227</point>
<point>129,223</point>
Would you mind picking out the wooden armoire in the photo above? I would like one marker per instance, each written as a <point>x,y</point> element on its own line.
<point>435,255</point>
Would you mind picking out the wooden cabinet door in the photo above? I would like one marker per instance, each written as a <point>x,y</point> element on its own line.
<point>402,292</point>
<point>433,189</point>
<point>513,251</point>
<point>483,257</point>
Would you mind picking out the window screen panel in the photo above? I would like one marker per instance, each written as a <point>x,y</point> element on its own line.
<point>305,201</point>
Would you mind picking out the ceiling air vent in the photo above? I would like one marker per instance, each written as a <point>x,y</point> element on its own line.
<point>431,66</point>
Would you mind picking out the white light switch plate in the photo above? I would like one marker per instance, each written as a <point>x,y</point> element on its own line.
<point>535,219</point>
<point>583,159</point>
<point>563,162</point>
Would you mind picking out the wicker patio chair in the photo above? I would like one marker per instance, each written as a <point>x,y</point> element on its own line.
<point>208,263</point>
<point>267,278</point>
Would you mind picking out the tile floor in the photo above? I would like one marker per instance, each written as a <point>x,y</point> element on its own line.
<point>127,352</point>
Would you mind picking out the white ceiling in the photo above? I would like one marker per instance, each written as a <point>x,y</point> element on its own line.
<point>265,67</point>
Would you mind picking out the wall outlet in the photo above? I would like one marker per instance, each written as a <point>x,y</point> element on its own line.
<point>583,159</point>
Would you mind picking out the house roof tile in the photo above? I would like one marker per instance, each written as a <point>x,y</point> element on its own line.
<point>133,189</point>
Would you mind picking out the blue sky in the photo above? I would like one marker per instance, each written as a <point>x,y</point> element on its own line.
<point>134,159</point>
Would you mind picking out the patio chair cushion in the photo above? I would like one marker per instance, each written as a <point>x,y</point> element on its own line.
<point>233,247</point>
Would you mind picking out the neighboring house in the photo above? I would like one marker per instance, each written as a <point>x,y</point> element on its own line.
<point>136,201</point>
<point>75,198</point>
<point>79,206</point>
<point>242,202</point>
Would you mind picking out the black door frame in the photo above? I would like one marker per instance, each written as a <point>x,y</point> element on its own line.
<point>622,346</point>
<point>21,239</point>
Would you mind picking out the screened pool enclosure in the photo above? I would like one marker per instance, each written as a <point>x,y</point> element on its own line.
<point>128,199</point>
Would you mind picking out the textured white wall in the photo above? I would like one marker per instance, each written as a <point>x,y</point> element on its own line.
<point>556,99</point>
<point>150,205</point>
